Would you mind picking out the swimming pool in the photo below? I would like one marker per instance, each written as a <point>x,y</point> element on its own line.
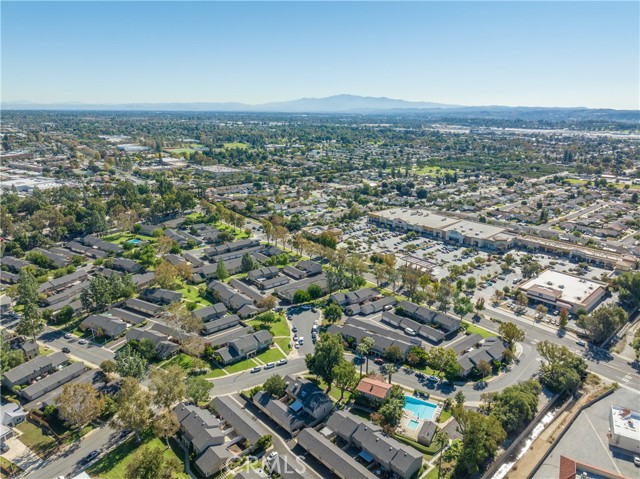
<point>413,424</point>
<point>134,241</point>
<point>419,408</point>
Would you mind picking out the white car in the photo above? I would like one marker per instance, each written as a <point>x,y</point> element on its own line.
<point>82,341</point>
<point>301,341</point>
<point>409,331</point>
<point>272,456</point>
<point>270,365</point>
<point>281,362</point>
<point>68,335</point>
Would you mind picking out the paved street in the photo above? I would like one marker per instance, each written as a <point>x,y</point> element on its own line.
<point>67,463</point>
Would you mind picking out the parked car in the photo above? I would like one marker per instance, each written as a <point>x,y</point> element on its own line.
<point>301,340</point>
<point>66,350</point>
<point>378,361</point>
<point>409,331</point>
<point>294,329</point>
<point>68,335</point>
<point>90,457</point>
<point>82,341</point>
<point>581,343</point>
<point>282,362</point>
<point>270,365</point>
<point>256,369</point>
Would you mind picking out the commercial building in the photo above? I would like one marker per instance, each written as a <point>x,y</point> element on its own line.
<point>624,429</point>
<point>445,228</point>
<point>562,290</point>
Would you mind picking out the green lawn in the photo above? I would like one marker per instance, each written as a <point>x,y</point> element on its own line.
<point>183,360</point>
<point>240,366</point>
<point>179,151</point>
<point>215,372</point>
<point>271,355</point>
<point>428,451</point>
<point>237,144</point>
<point>191,294</point>
<point>277,328</point>
<point>472,328</point>
<point>119,238</point>
<point>444,415</point>
<point>432,171</point>
<point>114,464</point>
<point>284,344</point>
<point>36,439</point>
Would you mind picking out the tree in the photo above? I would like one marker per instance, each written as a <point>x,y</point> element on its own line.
<point>603,322</point>
<point>393,354</point>
<point>268,302</point>
<point>221,271</point>
<point>443,295</point>
<point>364,348</point>
<point>542,309</point>
<point>129,363</point>
<point>564,317</point>
<point>301,296</point>
<point>164,244</point>
<point>479,305</point>
<point>327,355</point>
<point>167,386</point>
<point>516,405</point>
<point>345,377</point>
<point>314,291</point>
<point>198,389</point>
<point>275,385</point>
<point>484,368</point>
<point>332,312</point>
<point>79,404</point>
<point>390,413</point>
<point>165,425</point>
<point>107,366</point>
<point>511,333</point>
<point>31,322</point>
<point>462,306</point>
<point>459,399</point>
<point>264,442</point>
<point>134,412</point>
<point>9,358</point>
<point>443,361</point>
<point>248,264</point>
<point>389,369</point>
<point>628,284</point>
<point>481,436</point>
<point>561,370</point>
<point>522,299</point>
<point>165,275</point>
<point>440,440</point>
<point>151,463</point>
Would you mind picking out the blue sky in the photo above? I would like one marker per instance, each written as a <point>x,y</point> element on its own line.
<point>468,53</point>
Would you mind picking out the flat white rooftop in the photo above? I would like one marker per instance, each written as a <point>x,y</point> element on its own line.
<point>573,289</point>
<point>625,422</point>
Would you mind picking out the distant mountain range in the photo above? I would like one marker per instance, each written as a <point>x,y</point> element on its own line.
<point>350,104</point>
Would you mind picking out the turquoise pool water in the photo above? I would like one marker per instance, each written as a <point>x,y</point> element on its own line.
<point>413,424</point>
<point>134,241</point>
<point>419,408</point>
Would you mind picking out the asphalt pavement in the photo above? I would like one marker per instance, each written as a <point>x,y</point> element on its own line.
<point>68,463</point>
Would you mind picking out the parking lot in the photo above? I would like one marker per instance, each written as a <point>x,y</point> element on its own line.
<point>586,440</point>
<point>302,319</point>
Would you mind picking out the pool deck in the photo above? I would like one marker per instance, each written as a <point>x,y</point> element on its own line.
<point>408,416</point>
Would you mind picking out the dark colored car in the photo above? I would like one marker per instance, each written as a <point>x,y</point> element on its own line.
<point>66,350</point>
<point>378,361</point>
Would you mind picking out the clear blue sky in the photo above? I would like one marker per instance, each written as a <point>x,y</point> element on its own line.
<point>506,53</point>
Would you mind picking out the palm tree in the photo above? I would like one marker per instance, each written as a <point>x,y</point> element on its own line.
<point>389,369</point>
<point>441,440</point>
<point>364,348</point>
